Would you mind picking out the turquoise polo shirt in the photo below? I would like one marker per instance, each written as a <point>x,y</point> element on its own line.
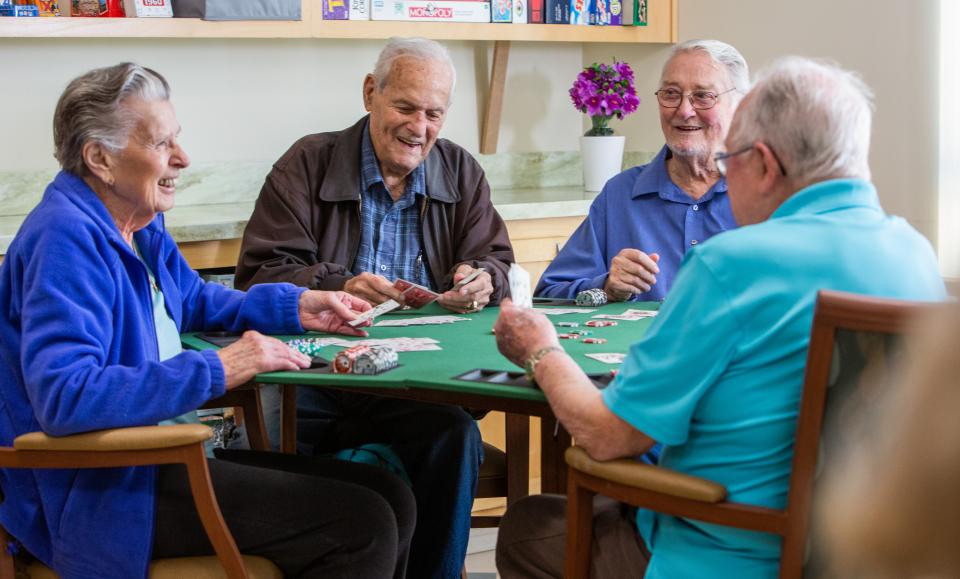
<point>717,379</point>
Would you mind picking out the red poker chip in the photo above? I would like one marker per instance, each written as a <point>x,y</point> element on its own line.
<point>594,340</point>
<point>569,336</point>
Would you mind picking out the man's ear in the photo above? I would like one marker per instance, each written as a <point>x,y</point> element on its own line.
<point>369,86</point>
<point>99,161</point>
<point>771,167</point>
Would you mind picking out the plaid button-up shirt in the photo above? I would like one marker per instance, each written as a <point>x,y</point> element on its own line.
<point>390,239</point>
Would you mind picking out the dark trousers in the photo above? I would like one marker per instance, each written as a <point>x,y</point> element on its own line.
<point>531,543</point>
<point>312,517</point>
<point>441,451</point>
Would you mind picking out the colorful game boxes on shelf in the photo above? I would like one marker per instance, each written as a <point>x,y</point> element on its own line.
<point>335,10</point>
<point>431,10</point>
<point>359,10</point>
<point>639,12</point>
<point>557,11</point>
<point>97,8</point>
<point>501,11</point>
<point>535,11</point>
<point>148,8</point>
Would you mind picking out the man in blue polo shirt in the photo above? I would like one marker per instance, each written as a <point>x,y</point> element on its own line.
<point>647,218</point>
<point>717,379</point>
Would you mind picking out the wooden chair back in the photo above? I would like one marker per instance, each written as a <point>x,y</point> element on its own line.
<point>849,332</point>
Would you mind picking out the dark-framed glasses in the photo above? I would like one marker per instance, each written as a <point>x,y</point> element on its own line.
<point>671,98</point>
<point>721,159</point>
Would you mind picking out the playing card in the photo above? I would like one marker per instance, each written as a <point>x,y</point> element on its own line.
<point>629,315</point>
<point>387,306</point>
<point>415,296</point>
<point>399,344</point>
<point>421,321</point>
<point>470,277</point>
<point>608,358</point>
<point>560,311</point>
<point>519,280</point>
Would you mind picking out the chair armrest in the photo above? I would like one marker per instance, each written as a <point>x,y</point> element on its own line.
<point>132,438</point>
<point>636,474</point>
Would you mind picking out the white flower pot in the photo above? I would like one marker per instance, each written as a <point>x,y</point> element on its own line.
<point>602,158</point>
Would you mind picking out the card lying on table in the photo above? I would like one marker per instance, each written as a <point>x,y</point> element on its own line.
<point>415,296</point>
<point>421,321</point>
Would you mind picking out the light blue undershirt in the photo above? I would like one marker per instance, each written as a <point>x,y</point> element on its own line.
<point>168,343</point>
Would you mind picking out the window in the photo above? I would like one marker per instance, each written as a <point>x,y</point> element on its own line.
<point>949,222</point>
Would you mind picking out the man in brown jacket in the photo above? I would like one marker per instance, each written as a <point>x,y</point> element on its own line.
<point>356,209</point>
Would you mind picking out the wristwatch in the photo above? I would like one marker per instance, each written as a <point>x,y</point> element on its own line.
<point>531,364</point>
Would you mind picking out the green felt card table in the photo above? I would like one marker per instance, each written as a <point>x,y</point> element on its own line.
<point>432,376</point>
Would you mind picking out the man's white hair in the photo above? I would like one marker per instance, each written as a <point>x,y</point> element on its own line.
<point>723,54</point>
<point>814,115</point>
<point>419,48</point>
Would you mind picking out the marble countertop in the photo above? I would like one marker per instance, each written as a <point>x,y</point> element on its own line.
<point>227,220</point>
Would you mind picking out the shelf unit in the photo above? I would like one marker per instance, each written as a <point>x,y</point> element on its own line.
<point>662,29</point>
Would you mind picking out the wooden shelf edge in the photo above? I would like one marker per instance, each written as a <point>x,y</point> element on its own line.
<point>325,29</point>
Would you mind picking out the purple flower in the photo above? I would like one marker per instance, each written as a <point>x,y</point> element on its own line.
<point>605,90</point>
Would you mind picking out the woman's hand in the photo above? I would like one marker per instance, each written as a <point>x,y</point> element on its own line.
<point>254,354</point>
<point>323,311</point>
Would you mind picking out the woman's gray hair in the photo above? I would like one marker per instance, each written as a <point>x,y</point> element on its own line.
<point>723,54</point>
<point>90,109</point>
<point>419,48</point>
<point>814,115</point>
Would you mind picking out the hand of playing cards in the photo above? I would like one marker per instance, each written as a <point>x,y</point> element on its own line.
<point>415,296</point>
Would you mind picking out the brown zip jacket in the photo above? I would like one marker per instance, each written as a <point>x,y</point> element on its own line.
<point>305,228</point>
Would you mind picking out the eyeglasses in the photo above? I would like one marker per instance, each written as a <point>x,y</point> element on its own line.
<point>721,159</point>
<point>671,98</point>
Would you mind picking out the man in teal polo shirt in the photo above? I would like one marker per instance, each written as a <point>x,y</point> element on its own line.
<point>717,379</point>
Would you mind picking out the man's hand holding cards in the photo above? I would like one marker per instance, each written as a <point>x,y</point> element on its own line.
<point>415,296</point>
<point>471,291</point>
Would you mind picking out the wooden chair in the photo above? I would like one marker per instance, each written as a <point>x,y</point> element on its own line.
<point>182,443</point>
<point>835,360</point>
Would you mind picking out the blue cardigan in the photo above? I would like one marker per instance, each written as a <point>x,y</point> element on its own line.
<point>78,352</point>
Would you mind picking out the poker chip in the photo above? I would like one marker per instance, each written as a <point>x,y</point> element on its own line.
<point>568,336</point>
<point>600,323</point>
<point>375,360</point>
<point>583,332</point>
<point>365,360</point>
<point>594,340</point>
<point>308,346</point>
<point>592,297</point>
<point>568,324</point>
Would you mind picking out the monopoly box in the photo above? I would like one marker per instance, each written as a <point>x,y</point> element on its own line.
<point>431,10</point>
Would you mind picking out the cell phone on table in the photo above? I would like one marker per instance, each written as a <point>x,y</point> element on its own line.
<point>470,277</point>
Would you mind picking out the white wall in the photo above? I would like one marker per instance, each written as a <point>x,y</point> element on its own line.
<point>250,99</point>
<point>892,43</point>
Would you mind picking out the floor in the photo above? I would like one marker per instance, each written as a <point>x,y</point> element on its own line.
<point>480,554</point>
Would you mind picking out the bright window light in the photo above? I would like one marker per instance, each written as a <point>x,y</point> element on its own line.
<point>949,225</point>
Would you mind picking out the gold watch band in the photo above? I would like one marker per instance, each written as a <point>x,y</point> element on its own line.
<point>531,364</point>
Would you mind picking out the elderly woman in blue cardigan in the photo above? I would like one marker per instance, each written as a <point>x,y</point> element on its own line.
<point>93,295</point>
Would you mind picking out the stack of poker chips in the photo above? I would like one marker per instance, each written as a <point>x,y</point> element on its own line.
<point>592,297</point>
<point>365,360</point>
<point>309,346</point>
